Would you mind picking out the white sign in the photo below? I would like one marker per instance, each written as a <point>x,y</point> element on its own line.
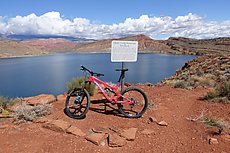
<point>124,51</point>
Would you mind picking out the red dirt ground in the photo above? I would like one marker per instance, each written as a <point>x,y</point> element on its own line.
<point>171,105</point>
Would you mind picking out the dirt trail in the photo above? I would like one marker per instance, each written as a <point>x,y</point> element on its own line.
<point>171,105</point>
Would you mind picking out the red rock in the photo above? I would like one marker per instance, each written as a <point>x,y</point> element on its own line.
<point>75,131</point>
<point>129,134</point>
<point>115,129</point>
<point>99,139</point>
<point>100,130</point>
<point>147,131</point>
<point>116,141</point>
<point>162,123</point>
<point>57,125</point>
<point>213,141</point>
<point>152,119</point>
<point>39,99</point>
<point>62,97</point>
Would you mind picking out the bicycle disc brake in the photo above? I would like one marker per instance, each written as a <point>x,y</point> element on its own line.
<point>134,102</point>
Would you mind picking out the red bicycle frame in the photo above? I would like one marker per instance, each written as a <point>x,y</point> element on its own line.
<point>115,90</point>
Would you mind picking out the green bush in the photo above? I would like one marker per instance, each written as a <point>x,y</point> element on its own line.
<point>26,113</point>
<point>78,83</point>
<point>3,102</point>
<point>6,102</point>
<point>219,92</point>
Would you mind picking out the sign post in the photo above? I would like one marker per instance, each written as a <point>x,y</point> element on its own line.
<point>124,51</point>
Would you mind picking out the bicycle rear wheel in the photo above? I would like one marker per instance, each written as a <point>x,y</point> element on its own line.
<point>77,103</point>
<point>138,108</point>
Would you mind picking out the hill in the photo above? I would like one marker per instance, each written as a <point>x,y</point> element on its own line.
<point>145,44</point>
<point>33,47</point>
<point>170,46</point>
<point>12,48</point>
<point>199,46</point>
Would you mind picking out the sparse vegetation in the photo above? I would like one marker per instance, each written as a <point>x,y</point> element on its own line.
<point>204,71</point>
<point>7,102</point>
<point>211,95</point>
<point>220,94</point>
<point>216,123</point>
<point>26,113</point>
<point>180,84</point>
<point>193,82</point>
<point>208,121</point>
<point>151,105</point>
<point>78,83</point>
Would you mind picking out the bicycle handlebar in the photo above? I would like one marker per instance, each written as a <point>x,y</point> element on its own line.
<point>91,72</point>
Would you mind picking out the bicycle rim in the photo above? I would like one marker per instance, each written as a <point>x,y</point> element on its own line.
<point>139,106</point>
<point>77,103</point>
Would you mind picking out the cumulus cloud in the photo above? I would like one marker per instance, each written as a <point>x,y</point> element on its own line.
<point>52,23</point>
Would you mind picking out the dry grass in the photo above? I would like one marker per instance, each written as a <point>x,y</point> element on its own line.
<point>220,124</point>
<point>220,94</point>
<point>208,121</point>
<point>26,113</point>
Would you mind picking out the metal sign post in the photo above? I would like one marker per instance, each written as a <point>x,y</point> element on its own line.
<point>124,51</point>
<point>123,77</point>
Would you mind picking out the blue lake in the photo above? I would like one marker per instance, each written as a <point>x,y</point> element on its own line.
<point>29,76</point>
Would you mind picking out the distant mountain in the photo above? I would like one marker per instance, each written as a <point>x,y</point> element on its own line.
<point>31,45</point>
<point>12,48</point>
<point>29,37</point>
<point>145,44</point>
<point>52,44</point>
<point>173,45</point>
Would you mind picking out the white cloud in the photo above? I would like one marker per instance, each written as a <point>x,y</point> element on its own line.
<point>52,23</point>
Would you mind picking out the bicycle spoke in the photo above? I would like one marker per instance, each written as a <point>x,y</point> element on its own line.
<point>77,104</point>
<point>138,105</point>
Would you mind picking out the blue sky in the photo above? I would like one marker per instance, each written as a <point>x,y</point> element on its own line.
<point>104,18</point>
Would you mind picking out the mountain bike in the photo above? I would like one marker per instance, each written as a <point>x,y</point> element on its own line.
<point>132,102</point>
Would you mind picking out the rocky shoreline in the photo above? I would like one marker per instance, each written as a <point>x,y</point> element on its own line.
<point>204,71</point>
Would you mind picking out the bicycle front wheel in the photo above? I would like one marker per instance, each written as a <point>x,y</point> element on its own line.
<point>77,103</point>
<point>139,106</point>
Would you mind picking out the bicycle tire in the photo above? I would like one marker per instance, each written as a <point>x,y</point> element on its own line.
<point>140,99</point>
<point>76,101</point>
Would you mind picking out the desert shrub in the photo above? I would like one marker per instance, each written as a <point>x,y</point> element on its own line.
<point>180,84</point>
<point>225,77</point>
<point>3,102</point>
<point>219,94</point>
<point>6,102</point>
<point>200,72</point>
<point>26,113</point>
<point>78,83</point>
<point>225,90</point>
<point>216,123</point>
<point>205,82</point>
<point>193,82</point>
<point>220,100</point>
<point>211,95</point>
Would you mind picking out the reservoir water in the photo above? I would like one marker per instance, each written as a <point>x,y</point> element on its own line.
<point>29,76</point>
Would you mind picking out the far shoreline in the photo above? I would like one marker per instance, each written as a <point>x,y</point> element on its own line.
<point>87,52</point>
